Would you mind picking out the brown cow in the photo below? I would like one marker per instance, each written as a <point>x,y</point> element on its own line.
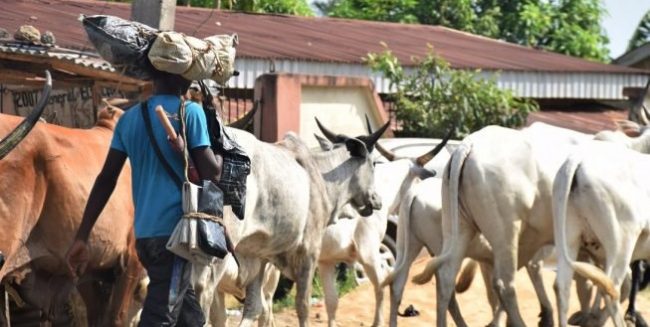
<point>44,187</point>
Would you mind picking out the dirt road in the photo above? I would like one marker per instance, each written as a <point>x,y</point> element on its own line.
<point>356,308</point>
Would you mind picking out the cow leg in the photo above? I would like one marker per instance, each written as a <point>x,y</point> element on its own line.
<point>454,311</point>
<point>631,314</point>
<point>205,285</point>
<point>125,286</point>
<point>534,269</point>
<point>271,279</point>
<point>504,241</point>
<point>218,315</point>
<point>616,267</point>
<point>253,305</point>
<point>584,289</point>
<point>399,281</point>
<point>498,314</point>
<point>446,274</point>
<point>375,272</point>
<point>304,276</point>
<point>327,272</point>
<point>95,300</point>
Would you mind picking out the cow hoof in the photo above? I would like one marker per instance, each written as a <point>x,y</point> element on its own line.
<point>546,318</point>
<point>635,320</point>
<point>576,319</point>
<point>591,320</point>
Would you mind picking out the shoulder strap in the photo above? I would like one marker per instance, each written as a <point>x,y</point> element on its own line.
<point>147,122</point>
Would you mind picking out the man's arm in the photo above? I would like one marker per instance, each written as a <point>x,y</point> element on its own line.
<point>101,192</point>
<point>207,164</point>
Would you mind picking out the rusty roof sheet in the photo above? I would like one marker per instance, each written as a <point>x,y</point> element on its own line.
<point>77,57</point>
<point>308,38</point>
<point>582,121</point>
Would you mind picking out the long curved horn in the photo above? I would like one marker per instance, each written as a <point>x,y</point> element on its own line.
<point>371,139</point>
<point>388,154</point>
<point>247,119</point>
<point>334,138</point>
<point>423,159</point>
<point>19,133</point>
<point>368,127</point>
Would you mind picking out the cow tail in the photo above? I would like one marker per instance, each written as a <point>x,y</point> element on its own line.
<point>466,276</point>
<point>561,192</point>
<point>454,169</point>
<point>403,233</point>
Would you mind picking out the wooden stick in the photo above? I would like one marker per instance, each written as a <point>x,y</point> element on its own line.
<point>162,116</point>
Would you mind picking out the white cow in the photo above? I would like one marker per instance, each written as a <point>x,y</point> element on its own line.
<point>505,191</point>
<point>600,204</point>
<point>291,195</point>
<point>420,217</point>
<point>358,238</point>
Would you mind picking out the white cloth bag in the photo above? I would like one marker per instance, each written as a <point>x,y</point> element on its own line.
<point>183,241</point>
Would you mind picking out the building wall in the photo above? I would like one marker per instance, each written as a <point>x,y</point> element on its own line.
<point>290,103</point>
<point>71,107</point>
<point>341,109</point>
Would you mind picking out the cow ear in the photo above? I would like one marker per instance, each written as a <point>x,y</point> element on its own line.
<point>356,148</point>
<point>628,127</point>
<point>324,143</point>
<point>421,172</point>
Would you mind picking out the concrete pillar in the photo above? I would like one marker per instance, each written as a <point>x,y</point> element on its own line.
<point>155,13</point>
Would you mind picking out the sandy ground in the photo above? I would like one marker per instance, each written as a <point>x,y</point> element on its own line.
<point>357,307</point>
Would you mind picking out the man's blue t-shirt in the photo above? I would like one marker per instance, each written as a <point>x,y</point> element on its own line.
<point>157,197</point>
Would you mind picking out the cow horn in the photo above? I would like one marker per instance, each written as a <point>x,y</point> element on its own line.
<point>334,138</point>
<point>645,115</point>
<point>423,159</point>
<point>247,119</point>
<point>19,133</point>
<point>368,127</point>
<point>388,154</point>
<point>371,140</point>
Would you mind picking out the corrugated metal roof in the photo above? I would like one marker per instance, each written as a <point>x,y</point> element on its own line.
<point>77,57</point>
<point>524,84</point>
<point>309,38</point>
<point>582,121</point>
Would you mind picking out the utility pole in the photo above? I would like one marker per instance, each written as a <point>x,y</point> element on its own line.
<point>155,13</point>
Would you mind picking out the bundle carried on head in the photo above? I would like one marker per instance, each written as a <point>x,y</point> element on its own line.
<point>139,50</point>
<point>193,58</point>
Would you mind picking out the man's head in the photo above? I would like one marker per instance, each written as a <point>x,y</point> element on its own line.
<point>166,83</point>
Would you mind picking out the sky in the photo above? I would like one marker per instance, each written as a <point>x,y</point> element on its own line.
<point>620,22</point>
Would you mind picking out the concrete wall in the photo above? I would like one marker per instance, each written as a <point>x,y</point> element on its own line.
<point>290,103</point>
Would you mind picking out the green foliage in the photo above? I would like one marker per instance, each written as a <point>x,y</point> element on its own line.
<point>345,283</point>
<point>641,34</point>
<point>291,7</point>
<point>570,27</point>
<point>436,97</point>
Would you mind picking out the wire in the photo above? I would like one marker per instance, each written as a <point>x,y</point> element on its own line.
<point>214,7</point>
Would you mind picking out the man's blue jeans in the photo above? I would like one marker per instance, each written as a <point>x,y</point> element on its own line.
<point>170,297</point>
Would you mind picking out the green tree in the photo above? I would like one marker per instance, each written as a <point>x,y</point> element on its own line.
<point>641,34</point>
<point>435,97</point>
<point>291,7</point>
<point>570,27</point>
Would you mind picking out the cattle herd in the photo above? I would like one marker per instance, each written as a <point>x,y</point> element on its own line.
<point>504,198</point>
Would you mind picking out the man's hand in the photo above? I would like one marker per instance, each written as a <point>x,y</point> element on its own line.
<point>77,258</point>
<point>178,144</point>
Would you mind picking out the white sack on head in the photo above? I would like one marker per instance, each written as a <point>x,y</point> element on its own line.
<point>171,53</point>
<point>193,58</point>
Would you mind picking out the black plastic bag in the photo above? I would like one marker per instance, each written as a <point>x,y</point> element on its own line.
<point>123,43</point>
<point>211,199</point>
<point>211,237</point>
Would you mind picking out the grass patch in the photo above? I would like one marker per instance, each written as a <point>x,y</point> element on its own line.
<point>345,283</point>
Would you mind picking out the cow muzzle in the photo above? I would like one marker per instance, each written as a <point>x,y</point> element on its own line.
<point>373,203</point>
